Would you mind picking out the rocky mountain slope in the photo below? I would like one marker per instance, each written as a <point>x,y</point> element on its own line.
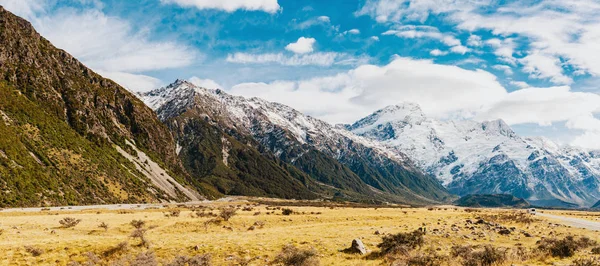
<point>70,136</point>
<point>332,157</point>
<point>486,158</point>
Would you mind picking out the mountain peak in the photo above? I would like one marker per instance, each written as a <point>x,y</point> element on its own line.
<point>403,112</point>
<point>498,126</point>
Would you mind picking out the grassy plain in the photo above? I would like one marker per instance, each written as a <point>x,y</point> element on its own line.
<point>324,229</point>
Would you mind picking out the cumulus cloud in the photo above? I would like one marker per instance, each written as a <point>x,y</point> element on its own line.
<point>542,106</point>
<point>108,45</point>
<point>520,84</point>
<point>205,83</point>
<point>441,90</point>
<point>133,82</point>
<point>269,6</point>
<point>302,46</point>
<point>352,31</point>
<point>437,52</point>
<point>474,40</point>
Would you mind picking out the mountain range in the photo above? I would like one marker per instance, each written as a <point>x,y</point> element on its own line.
<point>471,157</point>
<point>70,136</point>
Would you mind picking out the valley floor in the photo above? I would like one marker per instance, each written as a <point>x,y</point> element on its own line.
<point>258,231</point>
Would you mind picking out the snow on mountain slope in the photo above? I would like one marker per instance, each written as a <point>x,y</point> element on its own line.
<point>290,134</point>
<point>489,157</point>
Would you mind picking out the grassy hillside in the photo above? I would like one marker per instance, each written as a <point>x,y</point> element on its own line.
<point>44,161</point>
<point>61,122</point>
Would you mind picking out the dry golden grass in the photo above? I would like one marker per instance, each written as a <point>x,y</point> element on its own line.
<point>324,229</point>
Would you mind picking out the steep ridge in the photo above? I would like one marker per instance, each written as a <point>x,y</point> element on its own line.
<point>65,130</point>
<point>486,158</point>
<point>331,156</point>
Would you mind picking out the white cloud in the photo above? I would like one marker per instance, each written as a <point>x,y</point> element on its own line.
<point>542,106</point>
<point>442,90</point>
<point>375,38</point>
<point>270,6</point>
<point>352,31</point>
<point>506,69</point>
<point>504,49</point>
<point>302,46</point>
<point>588,139</point>
<point>133,82</point>
<point>474,40</point>
<point>316,59</point>
<point>324,19</point>
<point>437,52</point>
<point>109,43</point>
<point>520,84</point>
<point>24,8</point>
<point>567,47</point>
<point>106,44</point>
<point>459,49</point>
<point>416,32</point>
<point>205,83</point>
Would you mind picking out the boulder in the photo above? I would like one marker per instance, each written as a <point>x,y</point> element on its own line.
<point>357,247</point>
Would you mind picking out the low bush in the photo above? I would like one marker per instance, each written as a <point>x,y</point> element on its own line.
<point>565,247</point>
<point>34,251</point>
<point>293,256</point>
<point>487,257</point>
<point>586,262</point>
<point>401,242</point>
<point>227,213</point>
<point>69,222</point>
<point>198,260</point>
<point>137,224</point>
<point>118,249</point>
<point>427,260</point>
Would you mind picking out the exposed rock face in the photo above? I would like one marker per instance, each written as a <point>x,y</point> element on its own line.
<point>486,158</point>
<point>332,157</point>
<point>71,119</point>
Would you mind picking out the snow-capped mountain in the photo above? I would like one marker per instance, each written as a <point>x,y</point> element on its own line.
<point>309,144</point>
<point>486,157</point>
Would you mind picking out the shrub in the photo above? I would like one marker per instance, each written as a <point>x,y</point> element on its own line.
<point>140,233</point>
<point>69,222</point>
<point>287,211</point>
<point>198,260</point>
<point>586,262</point>
<point>563,248</point>
<point>461,251</point>
<point>34,251</point>
<point>427,260</point>
<point>138,224</point>
<point>401,242</point>
<point>145,259</point>
<point>293,256</point>
<point>173,213</point>
<point>104,226</point>
<point>259,224</point>
<point>596,250</point>
<point>118,249</point>
<point>487,257</point>
<point>227,213</point>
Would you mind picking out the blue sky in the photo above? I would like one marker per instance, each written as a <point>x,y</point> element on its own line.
<point>534,64</point>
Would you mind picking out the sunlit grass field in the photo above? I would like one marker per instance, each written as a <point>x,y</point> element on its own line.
<point>257,232</point>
